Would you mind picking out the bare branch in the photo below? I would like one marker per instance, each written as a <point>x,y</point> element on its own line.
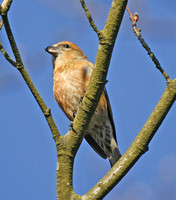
<point>134,18</point>
<point>89,17</point>
<point>19,65</point>
<point>8,58</point>
<point>12,40</point>
<point>138,147</point>
<point>98,80</point>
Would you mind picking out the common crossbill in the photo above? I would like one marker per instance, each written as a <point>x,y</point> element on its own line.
<point>71,77</point>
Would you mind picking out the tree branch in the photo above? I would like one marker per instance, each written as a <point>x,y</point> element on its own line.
<point>98,80</point>
<point>19,65</point>
<point>134,18</point>
<point>73,139</point>
<point>89,17</point>
<point>8,58</point>
<point>138,147</point>
<point>68,144</point>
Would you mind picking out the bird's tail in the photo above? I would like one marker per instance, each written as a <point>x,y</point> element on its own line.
<point>115,156</point>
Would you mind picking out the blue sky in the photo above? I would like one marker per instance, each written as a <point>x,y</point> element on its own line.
<point>27,150</point>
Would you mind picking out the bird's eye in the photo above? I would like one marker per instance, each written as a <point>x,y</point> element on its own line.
<point>66,46</point>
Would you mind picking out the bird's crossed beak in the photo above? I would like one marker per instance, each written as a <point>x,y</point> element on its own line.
<point>52,50</point>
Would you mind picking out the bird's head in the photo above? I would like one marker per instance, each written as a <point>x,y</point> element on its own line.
<point>65,52</point>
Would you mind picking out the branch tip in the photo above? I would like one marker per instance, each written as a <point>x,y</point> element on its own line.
<point>134,18</point>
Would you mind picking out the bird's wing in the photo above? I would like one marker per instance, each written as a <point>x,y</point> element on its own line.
<point>110,113</point>
<point>95,146</point>
<point>95,143</point>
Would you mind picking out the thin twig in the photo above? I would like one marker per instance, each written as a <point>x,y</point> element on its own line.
<point>89,17</point>
<point>12,40</point>
<point>6,55</point>
<point>134,18</point>
<point>19,65</point>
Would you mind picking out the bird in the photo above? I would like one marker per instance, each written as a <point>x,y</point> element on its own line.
<point>71,77</point>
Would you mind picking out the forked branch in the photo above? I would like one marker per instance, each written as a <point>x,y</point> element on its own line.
<point>68,145</point>
<point>6,55</point>
<point>138,147</point>
<point>4,7</point>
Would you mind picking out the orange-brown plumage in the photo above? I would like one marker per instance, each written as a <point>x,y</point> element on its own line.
<point>71,77</point>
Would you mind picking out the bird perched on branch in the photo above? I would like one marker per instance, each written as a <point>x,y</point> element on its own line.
<point>71,77</point>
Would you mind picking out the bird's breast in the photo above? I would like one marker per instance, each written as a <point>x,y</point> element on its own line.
<point>69,86</point>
